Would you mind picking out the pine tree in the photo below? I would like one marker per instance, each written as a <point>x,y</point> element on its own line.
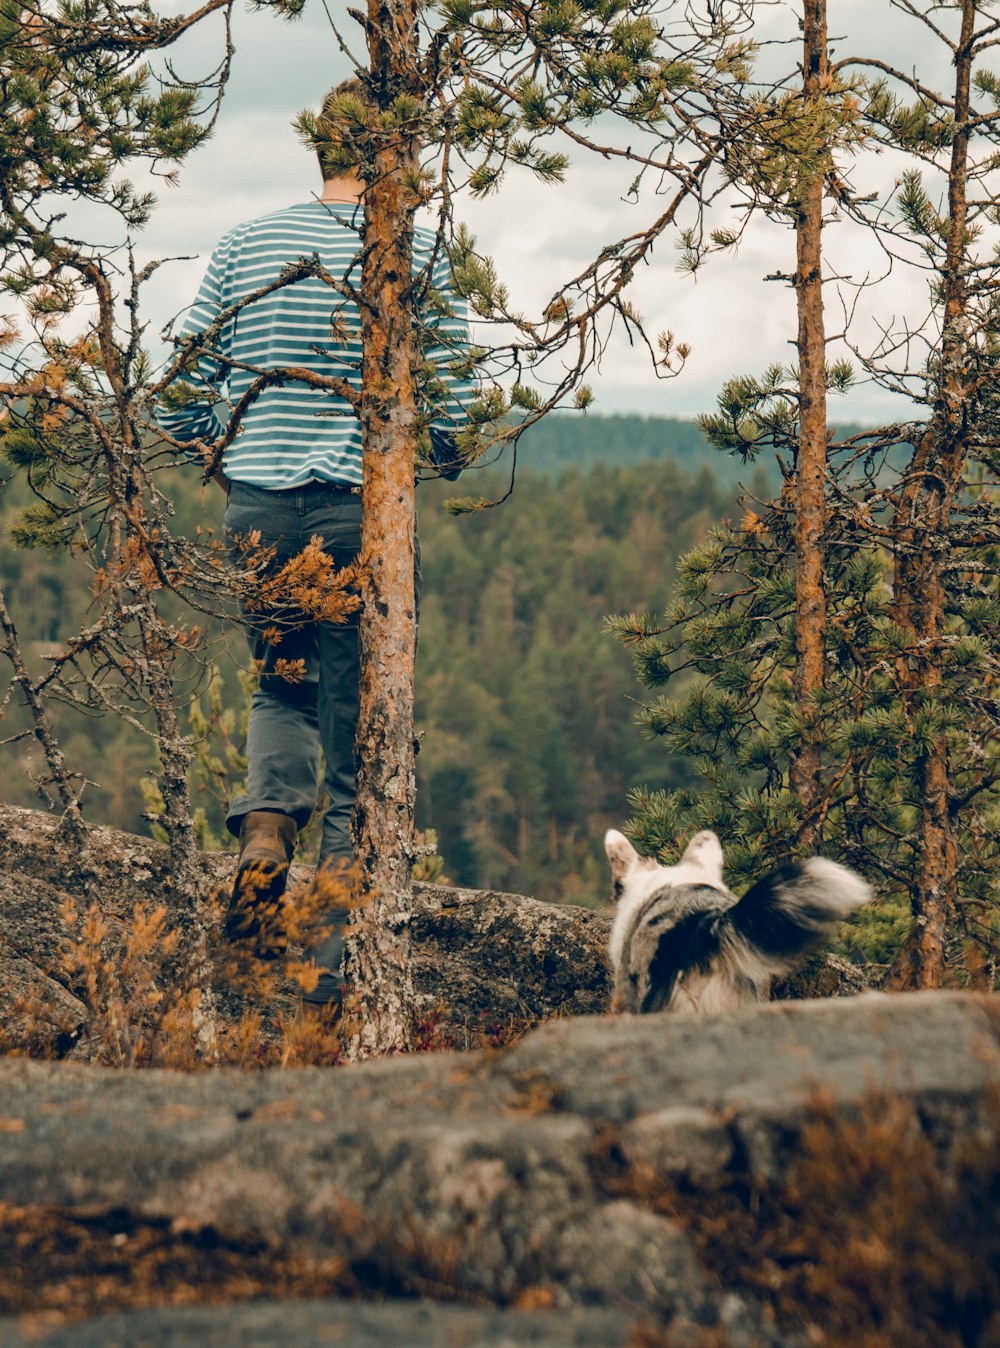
<point>810,474</point>
<point>944,521</point>
<point>486,89</point>
<point>487,85</point>
<point>77,103</point>
<point>904,719</point>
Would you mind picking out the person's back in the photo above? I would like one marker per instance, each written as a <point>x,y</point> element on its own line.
<point>295,431</point>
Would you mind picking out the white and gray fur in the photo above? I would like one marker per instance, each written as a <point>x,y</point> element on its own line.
<point>681,941</point>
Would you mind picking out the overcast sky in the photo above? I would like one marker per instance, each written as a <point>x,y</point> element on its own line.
<point>734,320</point>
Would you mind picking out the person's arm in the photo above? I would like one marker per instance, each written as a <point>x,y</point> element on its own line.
<point>187,408</point>
<point>444,454</point>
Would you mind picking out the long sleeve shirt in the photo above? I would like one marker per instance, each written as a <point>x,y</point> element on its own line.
<point>294,433</point>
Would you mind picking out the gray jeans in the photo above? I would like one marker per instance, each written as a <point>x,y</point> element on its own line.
<point>291,724</point>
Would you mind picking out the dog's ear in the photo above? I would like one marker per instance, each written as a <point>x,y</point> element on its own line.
<point>622,856</point>
<point>705,850</point>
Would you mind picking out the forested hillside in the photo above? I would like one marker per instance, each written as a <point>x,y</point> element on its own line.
<point>584,440</point>
<point>525,707</point>
<point>578,440</point>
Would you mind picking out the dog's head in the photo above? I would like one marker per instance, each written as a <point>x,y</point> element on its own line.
<point>701,864</point>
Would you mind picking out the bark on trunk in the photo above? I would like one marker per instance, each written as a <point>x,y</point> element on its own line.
<point>174,749</point>
<point>924,515</point>
<point>810,598</point>
<point>379,961</point>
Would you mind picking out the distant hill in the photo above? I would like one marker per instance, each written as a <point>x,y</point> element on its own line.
<point>584,440</point>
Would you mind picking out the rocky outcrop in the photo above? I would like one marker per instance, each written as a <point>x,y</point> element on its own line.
<point>483,961</point>
<point>571,1171</point>
<point>608,1181</point>
<point>486,964</point>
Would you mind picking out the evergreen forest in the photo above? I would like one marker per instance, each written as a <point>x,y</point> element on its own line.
<point>526,707</point>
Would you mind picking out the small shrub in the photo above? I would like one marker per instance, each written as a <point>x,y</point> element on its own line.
<point>155,996</point>
<point>877,1234</point>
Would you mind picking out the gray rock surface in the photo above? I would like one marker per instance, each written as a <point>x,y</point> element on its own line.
<point>508,1184</point>
<point>671,1083</point>
<point>484,962</point>
<point>480,1173</point>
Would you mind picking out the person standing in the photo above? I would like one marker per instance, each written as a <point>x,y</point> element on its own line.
<point>293,471</point>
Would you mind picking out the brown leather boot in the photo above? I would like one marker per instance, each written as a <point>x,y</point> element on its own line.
<point>267,841</point>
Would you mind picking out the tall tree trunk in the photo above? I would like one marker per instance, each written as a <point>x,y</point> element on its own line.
<point>810,597</point>
<point>379,960</point>
<point>175,763</point>
<point>924,516</point>
<point>41,726</point>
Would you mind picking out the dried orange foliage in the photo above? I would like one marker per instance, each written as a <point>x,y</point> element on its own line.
<point>312,583</point>
<point>134,1015</point>
<point>292,671</point>
<point>307,588</point>
<point>882,1231</point>
<point>144,1003</point>
<point>63,1266</point>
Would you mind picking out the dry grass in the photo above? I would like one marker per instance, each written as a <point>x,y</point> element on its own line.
<point>68,1265</point>
<point>877,1235</point>
<point>435,1032</point>
<point>72,1265</point>
<point>153,997</point>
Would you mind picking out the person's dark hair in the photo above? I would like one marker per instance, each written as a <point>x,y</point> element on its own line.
<point>353,87</point>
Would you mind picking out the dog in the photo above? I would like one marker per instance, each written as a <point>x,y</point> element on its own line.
<point>682,942</point>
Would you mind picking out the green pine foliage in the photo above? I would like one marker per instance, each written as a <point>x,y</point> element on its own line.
<point>718,664</point>
<point>907,711</point>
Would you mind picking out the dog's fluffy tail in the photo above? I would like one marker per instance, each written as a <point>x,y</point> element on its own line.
<point>789,913</point>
